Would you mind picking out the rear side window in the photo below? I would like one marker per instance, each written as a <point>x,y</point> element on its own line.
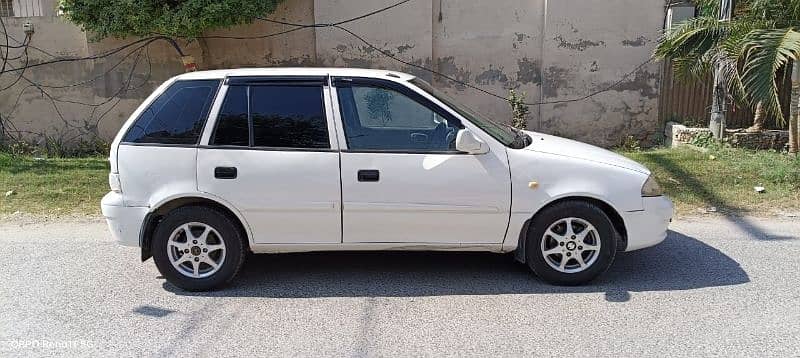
<point>277,116</point>
<point>177,116</point>
<point>232,125</point>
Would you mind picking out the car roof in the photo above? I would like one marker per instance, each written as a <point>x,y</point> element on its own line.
<point>295,71</point>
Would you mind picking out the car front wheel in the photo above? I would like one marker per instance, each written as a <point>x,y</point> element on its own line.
<point>570,243</point>
<point>197,248</point>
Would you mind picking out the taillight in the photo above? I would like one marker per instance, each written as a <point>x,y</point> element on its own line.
<point>113,182</point>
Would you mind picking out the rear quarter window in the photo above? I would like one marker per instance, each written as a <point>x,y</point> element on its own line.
<point>177,116</point>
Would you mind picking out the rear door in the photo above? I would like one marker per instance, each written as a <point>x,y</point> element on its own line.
<point>272,153</point>
<point>403,181</point>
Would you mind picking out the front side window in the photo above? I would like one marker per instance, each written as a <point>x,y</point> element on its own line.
<point>273,116</point>
<point>385,119</point>
<point>505,134</point>
<point>177,116</point>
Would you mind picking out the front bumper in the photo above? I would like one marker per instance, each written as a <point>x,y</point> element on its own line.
<point>648,227</point>
<point>125,222</point>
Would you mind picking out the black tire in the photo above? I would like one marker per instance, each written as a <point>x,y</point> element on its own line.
<point>230,235</point>
<point>592,214</point>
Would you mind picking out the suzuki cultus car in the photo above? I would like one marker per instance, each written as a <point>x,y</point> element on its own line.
<point>219,163</point>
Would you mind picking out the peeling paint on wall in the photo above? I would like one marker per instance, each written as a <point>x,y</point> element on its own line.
<point>579,45</point>
<point>643,81</point>
<point>403,48</point>
<point>495,45</point>
<point>447,66</point>
<point>639,42</point>
<point>556,78</point>
<point>529,72</point>
<point>491,76</point>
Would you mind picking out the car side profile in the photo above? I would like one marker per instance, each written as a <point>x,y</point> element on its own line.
<point>216,164</point>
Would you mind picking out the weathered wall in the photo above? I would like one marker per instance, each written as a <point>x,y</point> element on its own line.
<point>551,50</point>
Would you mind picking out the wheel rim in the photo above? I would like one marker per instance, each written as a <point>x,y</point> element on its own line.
<point>570,245</point>
<point>196,250</point>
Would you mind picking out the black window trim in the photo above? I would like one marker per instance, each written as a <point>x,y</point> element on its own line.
<point>276,80</point>
<point>250,81</point>
<point>347,81</point>
<point>202,129</point>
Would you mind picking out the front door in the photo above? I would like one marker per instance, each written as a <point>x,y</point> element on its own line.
<point>272,156</point>
<point>402,179</point>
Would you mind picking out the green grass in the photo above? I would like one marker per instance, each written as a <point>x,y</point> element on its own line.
<point>724,178</point>
<point>55,186</point>
<point>52,186</point>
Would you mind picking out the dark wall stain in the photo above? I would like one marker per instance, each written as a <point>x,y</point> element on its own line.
<point>367,49</point>
<point>357,62</point>
<point>447,66</point>
<point>639,42</point>
<point>577,46</point>
<point>404,48</point>
<point>643,81</point>
<point>299,61</point>
<point>491,76</point>
<point>416,71</point>
<point>519,39</point>
<point>555,78</point>
<point>529,71</point>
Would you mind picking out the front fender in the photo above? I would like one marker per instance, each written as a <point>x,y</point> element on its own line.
<point>539,179</point>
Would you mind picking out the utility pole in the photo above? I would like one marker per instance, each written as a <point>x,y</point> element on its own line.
<point>717,122</point>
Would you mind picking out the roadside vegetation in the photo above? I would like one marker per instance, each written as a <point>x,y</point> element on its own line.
<point>723,179</point>
<point>52,186</point>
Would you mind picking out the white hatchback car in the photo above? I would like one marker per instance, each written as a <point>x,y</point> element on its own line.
<point>218,163</point>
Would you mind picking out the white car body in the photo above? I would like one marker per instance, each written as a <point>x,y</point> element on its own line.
<point>296,200</point>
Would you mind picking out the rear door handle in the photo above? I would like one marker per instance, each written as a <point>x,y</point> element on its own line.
<point>369,175</point>
<point>225,172</point>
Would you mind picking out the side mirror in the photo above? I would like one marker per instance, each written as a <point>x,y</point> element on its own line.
<point>467,142</point>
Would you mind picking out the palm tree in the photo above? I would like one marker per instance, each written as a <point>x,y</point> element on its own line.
<point>751,49</point>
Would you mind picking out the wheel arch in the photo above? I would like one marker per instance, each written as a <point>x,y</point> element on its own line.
<point>608,209</point>
<point>166,205</point>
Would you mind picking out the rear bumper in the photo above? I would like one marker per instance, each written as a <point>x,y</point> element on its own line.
<point>125,222</point>
<point>648,227</point>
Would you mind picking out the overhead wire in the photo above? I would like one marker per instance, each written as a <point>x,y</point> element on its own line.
<point>145,42</point>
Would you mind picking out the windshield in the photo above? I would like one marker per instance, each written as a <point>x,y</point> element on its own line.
<point>507,135</point>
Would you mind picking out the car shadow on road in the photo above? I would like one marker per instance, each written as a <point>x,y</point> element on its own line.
<point>679,263</point>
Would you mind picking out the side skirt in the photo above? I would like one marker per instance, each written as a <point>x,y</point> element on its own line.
<point>395,246</point>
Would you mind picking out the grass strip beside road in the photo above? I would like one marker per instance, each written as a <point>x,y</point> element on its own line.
<point>724,179</point>
<point>52,186</point>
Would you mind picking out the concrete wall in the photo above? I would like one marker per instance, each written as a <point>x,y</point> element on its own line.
<point>551,50</point>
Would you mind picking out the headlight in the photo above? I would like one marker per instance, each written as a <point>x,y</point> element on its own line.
<point>651,187</point>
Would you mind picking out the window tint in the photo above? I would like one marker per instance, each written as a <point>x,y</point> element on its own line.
<point>232,127</point>
<point>384,119</point>
<point>177,116</point>
<point>288,117</point>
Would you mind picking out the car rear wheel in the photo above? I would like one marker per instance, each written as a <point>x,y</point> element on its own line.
<point>570,243</point>
<point>197,248</point>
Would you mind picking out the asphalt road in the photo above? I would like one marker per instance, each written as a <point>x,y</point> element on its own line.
<point>715,287</point>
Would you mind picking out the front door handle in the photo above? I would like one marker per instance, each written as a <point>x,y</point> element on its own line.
<point>369,175</point>
<point>225,172</point>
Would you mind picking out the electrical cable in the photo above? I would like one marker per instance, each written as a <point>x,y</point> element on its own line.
<point>145,42</point>
<point>5,57</point>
